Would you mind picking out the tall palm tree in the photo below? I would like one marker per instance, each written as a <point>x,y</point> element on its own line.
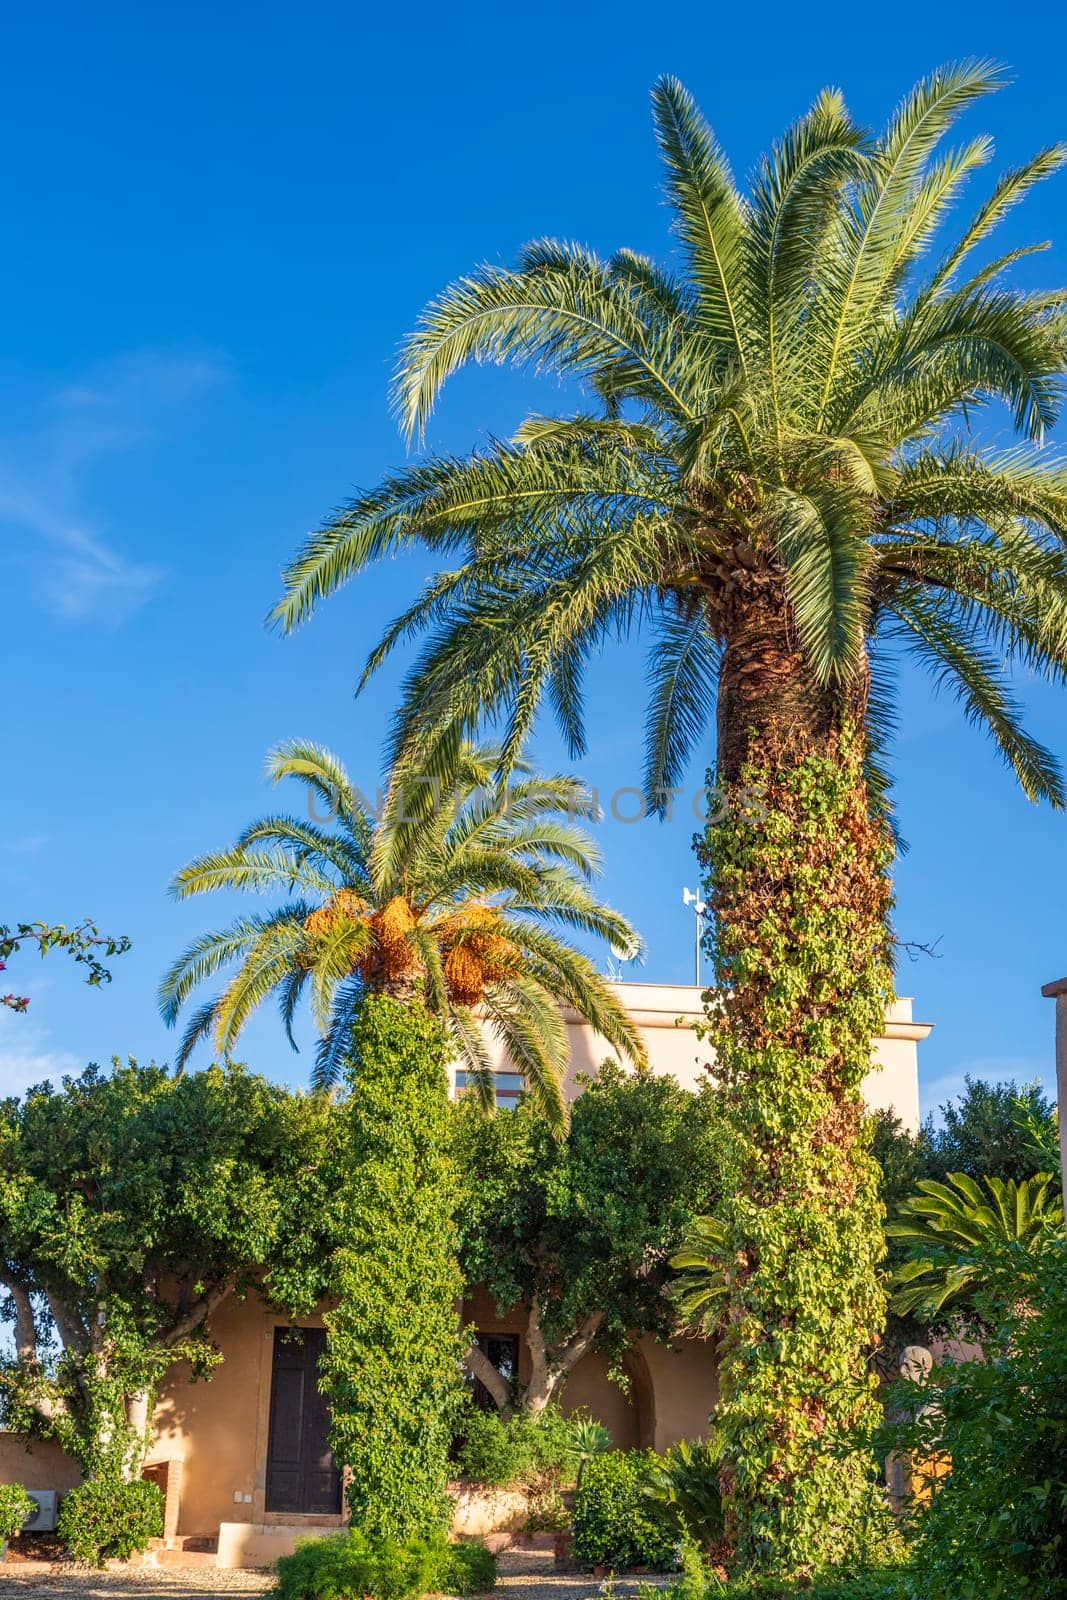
<point>454,897</point>
<point>777,477</point>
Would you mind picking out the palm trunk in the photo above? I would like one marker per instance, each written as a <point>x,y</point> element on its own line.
<point>800,944</point>
<point>404,988</point>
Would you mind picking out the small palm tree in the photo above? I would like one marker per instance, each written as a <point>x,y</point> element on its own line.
<point>456,900</point>
<point>954,1233</point>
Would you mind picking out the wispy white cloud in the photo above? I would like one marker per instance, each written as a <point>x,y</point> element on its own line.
<point>84,571</point>
<point>25,1056</point>
<point>26,844</point>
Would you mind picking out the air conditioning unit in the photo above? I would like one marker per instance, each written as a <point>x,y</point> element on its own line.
<point>43,1519</point>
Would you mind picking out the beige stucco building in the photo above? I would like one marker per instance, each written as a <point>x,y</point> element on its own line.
<point>244,1458</point>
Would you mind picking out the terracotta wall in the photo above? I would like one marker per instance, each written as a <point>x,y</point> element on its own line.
<point>218,1427</point>
<point>36,1464</point>
<point>666,1012</point>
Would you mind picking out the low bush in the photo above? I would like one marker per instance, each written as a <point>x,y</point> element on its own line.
<point>15,1507</point>
<point>466,1568</point>
<point>554,1442</point>
<point>104,1519</point>
<point>493,1452</point>
<point>890,1584</point>
<point>348,1566</point>
<point>615,1523</point>
<point>698,1581</point>
<point>686,1482</point>
<point>528,1451</point>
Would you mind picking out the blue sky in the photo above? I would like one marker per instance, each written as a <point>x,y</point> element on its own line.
<point>219,222</point>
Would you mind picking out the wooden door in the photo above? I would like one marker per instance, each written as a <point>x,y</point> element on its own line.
<point>301,1476</point>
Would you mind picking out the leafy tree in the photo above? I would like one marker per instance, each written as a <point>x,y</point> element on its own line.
<point>578,1231</point>
<point>85,944</point>
<point>132,1204</point>
<point>776,473</point>
<point>954,1232</point>
<point>391,1366</point>
<point>450,895</point>
<point>995,1526</point>
<point>995,1130</point>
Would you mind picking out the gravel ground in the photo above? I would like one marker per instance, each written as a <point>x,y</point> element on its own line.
<point>531,1575</point>
<point>527,1575</point>
<point>131,1583</point>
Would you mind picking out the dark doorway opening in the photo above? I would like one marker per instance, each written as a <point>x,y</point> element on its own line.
<point>301,1475</point>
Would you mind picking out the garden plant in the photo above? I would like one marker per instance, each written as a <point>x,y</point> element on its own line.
<point>578,1231</point>
<point>776,469</point>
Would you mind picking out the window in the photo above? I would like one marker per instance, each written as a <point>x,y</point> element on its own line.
<point>503,1351</point>
<point>508,1086</point>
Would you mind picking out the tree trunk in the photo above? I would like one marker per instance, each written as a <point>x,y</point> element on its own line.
<point>797,884</point>
<point>479,1365</point>
<point>767,698</point>
<point>551,1366</point>
<point>138,1416</point>
<point>403,987</point>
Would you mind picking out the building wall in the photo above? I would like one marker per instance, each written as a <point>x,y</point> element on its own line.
<point>36,1463</point>
<point>666,1014</point>
<point>218,1428</point>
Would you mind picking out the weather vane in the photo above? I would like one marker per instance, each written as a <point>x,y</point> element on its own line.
<point>699,908</point>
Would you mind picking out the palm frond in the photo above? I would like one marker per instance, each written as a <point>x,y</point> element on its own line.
<point>683,671</point>
<point>710,218</point>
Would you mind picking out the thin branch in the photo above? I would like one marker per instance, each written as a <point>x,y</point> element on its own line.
<point>197,1314</point>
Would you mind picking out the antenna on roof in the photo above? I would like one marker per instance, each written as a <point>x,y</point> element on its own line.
<point>699,909</point>
<point>619,954</point>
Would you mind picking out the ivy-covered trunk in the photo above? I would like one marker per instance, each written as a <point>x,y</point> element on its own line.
<point>797,882</point>
<point>391,1369</point>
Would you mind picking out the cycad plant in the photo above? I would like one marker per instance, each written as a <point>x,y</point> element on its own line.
<point>699,1288</point>
<point>954,1232</point>
<point>456,897</point>
<point>686,1480</point>
<point>776,473</point>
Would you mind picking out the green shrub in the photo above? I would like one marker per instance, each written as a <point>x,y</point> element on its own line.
<point>615,1523</point>
<point>533,1453</point>
<point>890,1584</point>
<point>15,1507</point>
<point>699,1582</point>
<point>552,1440</point>
<point>686,1482</point>
<point>494,1452</point>
<point>104,1519</point>
<point>466,1568</point>
<point>996,1527</point>
<point>348,1565</point>
<point>696,1581</point>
